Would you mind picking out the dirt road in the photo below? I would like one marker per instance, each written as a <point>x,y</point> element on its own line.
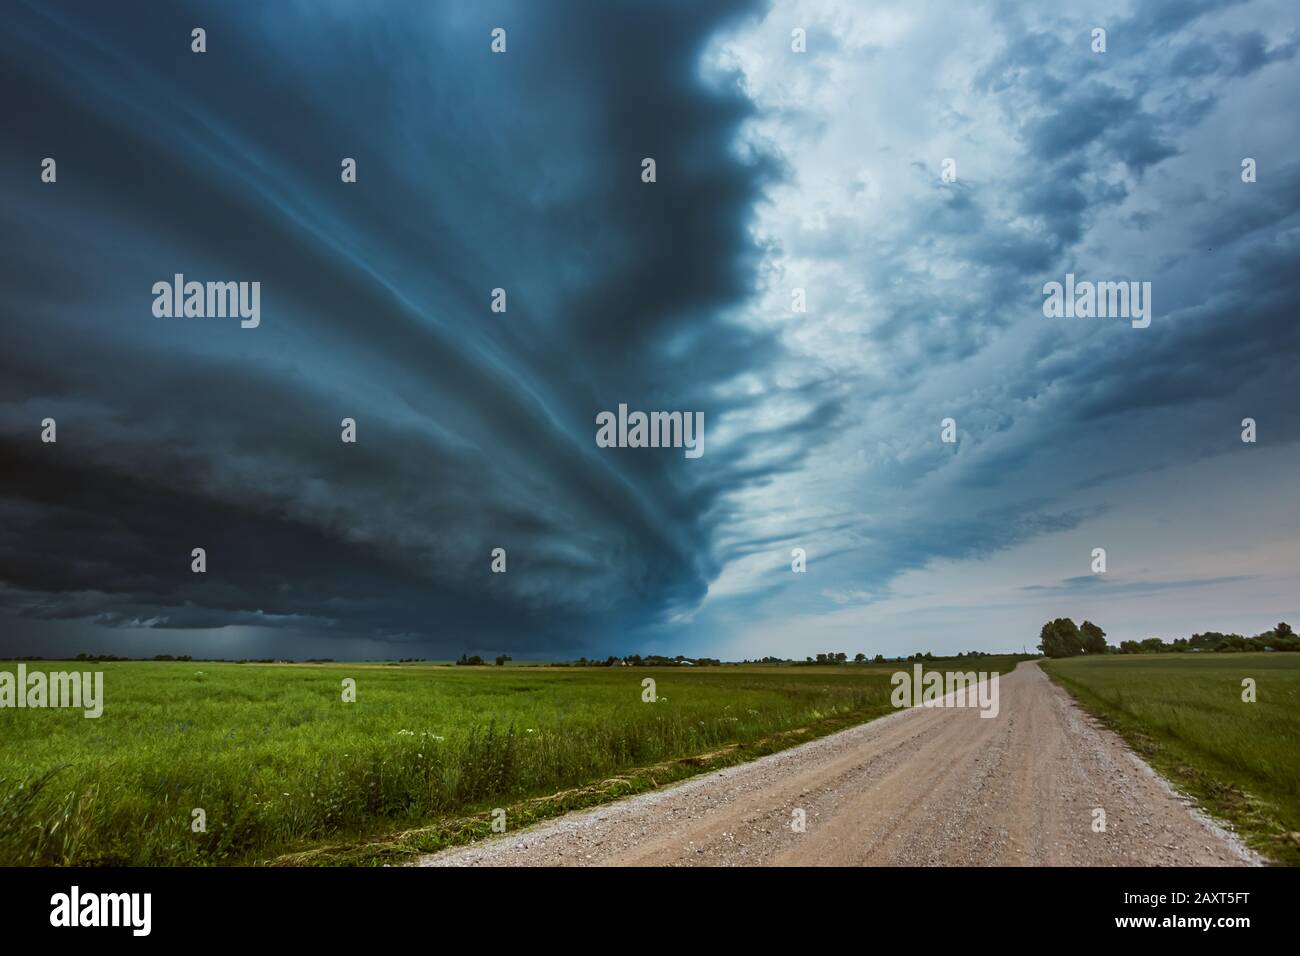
<point>927,786</point>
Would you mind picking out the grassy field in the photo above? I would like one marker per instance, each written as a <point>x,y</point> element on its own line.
<point>286,772</point>
<point>1185,715</point>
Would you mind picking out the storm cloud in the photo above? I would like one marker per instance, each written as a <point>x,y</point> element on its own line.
<point>522,171</point>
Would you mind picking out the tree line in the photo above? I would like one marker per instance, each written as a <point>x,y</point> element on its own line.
<point>1063,638</point>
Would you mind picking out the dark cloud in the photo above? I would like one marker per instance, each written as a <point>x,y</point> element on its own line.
<point>476,430</point>
<point>523,171</point>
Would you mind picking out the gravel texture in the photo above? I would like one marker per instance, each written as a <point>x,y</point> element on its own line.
<point>923,787</point>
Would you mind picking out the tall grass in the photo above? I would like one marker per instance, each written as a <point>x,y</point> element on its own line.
<point>275,759</point>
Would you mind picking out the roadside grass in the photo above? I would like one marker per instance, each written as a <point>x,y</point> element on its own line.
<point>286,772</point>
<point>1184,714</point>
<point>405,846</point>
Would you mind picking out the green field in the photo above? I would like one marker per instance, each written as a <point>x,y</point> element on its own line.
<point>285,771</point>
<point>1185,715</point>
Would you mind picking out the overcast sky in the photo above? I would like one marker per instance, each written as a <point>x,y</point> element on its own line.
<point>775,170</point>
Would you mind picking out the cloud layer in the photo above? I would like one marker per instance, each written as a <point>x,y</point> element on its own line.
<point>521,171</point>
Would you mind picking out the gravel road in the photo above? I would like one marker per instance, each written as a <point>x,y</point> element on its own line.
<point>922,787</point>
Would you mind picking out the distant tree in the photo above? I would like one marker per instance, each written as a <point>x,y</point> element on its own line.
<point>1060,638</point>
<point>1283,630</point>
<point>1093,637</point>
<point>502,658</point>
<point>859,657</point>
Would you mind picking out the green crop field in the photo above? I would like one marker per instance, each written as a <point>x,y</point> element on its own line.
<point>285,771</point>
<point>1185,715</point>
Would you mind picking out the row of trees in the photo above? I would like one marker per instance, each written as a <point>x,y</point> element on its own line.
<point>636,660</point>
<point>1062,638</point>
<point>1280,638</point>
<point>467,660</point>
<point>837,657</point>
